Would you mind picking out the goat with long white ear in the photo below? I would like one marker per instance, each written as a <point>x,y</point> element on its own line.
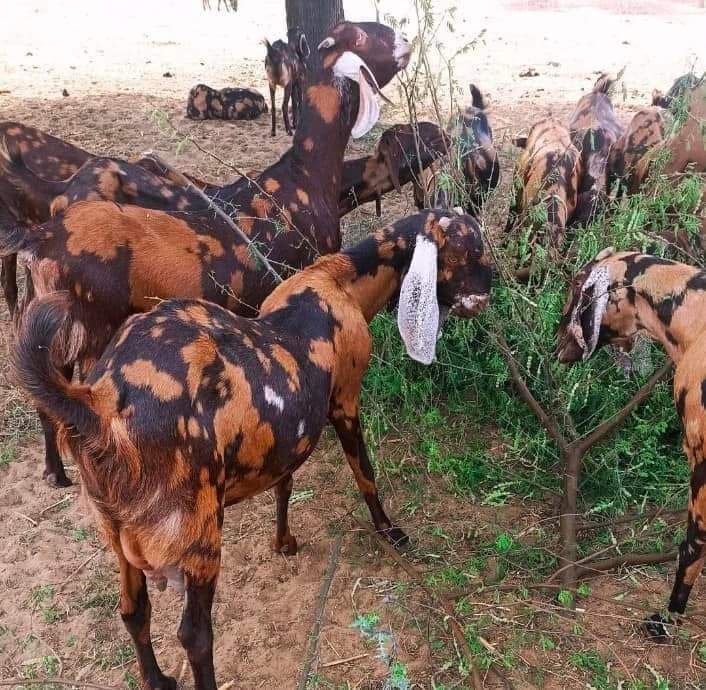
<point>191,408</point>
<point>613,299</point>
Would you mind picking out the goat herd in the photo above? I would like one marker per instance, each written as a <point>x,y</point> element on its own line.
<point>182,376</point>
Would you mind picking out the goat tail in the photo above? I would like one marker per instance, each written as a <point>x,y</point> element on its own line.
<point>47,339</point>
<point>603,84</point>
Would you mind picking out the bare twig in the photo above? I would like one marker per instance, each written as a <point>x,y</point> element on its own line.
<point>56,681</point>
<point>339,662</point>
<point>318,619</point>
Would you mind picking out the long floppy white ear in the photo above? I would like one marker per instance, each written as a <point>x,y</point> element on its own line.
<point>586,328</point>
<point>352,65</point>
<point>418,310</point>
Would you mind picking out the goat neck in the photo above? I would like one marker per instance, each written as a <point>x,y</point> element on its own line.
<point>669,299</point>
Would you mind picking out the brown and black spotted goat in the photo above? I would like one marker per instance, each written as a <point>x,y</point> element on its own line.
<point>547,178</point>
<point>117,260</point>
<point>614,298</point>
<point>285,64</point>
<point>646,130</point>
<point>192,409</point>
<point>402,152</point>
<point>594,131</point>
<point>206,103</point>
<point>474,151</point>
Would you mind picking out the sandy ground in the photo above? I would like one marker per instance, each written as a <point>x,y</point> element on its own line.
<point>58,613</point>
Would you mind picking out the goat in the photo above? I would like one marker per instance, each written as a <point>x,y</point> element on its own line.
<point>613,299</point>
<point>401,153</point>
<point>646,130</point>
<point>284,65</point>
<point>205,103</point>
<point>678,89</point>
<point>473,150</point>
<point>594,131</point>
<point>192,409</point>
<point>473,136</point>
<point>547,176</point>
<point>55,159</point>
<point>116,261</point>
<point>685,149</point>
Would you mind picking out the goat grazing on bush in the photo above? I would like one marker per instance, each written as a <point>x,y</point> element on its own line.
<point>402,152</point>
<point>205,103</point>
<point>681,86</point>
<point>613,299</point>
<point>594,131</point>
<point>473,137</point>
<point>474,151</point>
<point>547,178</point>
<point>284,66</point>
<point>116,261</point>
<point>685,149</point>
<point>192,409</point>
<point>646,130</point>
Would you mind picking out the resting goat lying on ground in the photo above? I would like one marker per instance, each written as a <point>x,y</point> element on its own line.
<point>547,177</point>
<point>191,409</point>
<point>205,103</point>
<point>594,130</point>
<point>612,299</point>
<point>118,260</point>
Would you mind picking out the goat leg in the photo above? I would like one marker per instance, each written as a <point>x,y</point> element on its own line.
<point>196,630</point>
<point>284,542</point>
<point>296,103</point>
<point>690,562</point>
<point>136,612</point>
<point>54,471</point>
<point>8,278</point>
<point>350,434</point>
<point>285,108</point>
<point>273,131</point>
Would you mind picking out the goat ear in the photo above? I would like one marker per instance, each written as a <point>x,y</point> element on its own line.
<point>303,47</point>
<point>352,66</point>
<point>360,37</point>
<point>586,318</point>
<point>392,155</point>
<point>477,97</point>
<point>328,42</point>
<point>418,309</point>
<point>520,142</point>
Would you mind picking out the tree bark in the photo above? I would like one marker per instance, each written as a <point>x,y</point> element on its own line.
<point>313,17</point>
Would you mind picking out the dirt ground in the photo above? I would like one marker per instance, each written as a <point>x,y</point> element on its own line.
<point>57,612</point>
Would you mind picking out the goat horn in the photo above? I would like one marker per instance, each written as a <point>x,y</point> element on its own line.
<point>328,42</point>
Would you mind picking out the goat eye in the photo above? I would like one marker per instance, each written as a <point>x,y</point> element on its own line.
<point>453,260</point>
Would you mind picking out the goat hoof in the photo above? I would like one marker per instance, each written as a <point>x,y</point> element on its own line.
<point>162,682</point>
<point>58,480</point>
<point>658,628</point>
<point>287,546</point>
<point>395,536</point>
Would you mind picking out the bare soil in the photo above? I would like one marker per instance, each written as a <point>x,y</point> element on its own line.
<point>57,615</point>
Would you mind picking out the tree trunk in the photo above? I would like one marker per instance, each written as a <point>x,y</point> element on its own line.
<point>314,17</point>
